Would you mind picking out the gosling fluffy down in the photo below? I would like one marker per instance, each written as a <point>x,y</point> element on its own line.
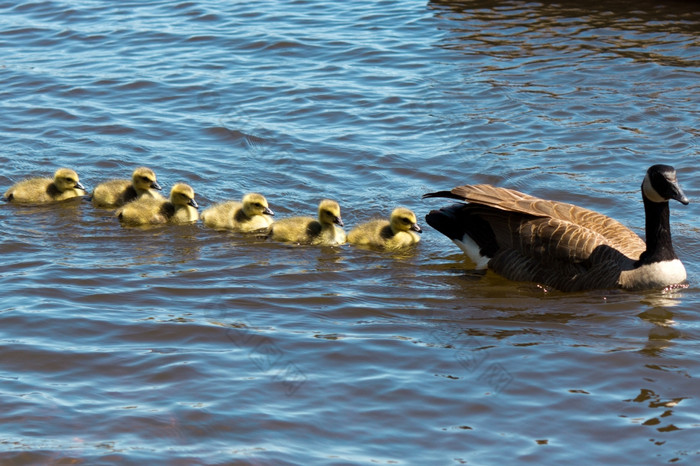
<point>180,208</point>
<point>116,193</point>
<point>64,185</point>
<point>251,214</point>
<point>399,231</point>
<point>324,231</point>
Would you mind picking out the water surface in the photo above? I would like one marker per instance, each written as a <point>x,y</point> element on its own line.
<point>191,346</point>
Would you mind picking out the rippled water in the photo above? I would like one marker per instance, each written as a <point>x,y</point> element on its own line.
<point>191,346</point>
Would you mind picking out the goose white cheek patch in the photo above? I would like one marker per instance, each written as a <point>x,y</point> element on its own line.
<point>650,192</point>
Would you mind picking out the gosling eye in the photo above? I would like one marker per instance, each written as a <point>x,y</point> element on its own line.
<point>406,221</point>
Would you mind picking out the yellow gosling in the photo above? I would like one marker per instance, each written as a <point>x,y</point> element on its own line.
<point>180,208</point>
<point>249,215</point>
<point>116,193</point>
<point>326,231</point>
<point>399,231</point>
<point>64,185</point>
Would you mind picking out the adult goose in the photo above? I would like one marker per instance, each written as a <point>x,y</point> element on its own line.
<point>564,246</point>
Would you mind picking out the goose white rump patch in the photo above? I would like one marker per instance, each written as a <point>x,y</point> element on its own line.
<point>471,249</point>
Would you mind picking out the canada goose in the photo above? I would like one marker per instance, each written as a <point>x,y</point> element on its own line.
<point>326,231</point>
<point>64,185</point>
<point>116,193</point>
<point>399,231</point>
<point>180,208</point>
<point>561,245</point>
<point>249,215</point>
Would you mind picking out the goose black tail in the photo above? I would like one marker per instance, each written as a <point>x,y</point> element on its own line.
<point>448,221</point>
<point>460,220</point>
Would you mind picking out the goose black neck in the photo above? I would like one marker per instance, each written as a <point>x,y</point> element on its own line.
<point>658,233</point>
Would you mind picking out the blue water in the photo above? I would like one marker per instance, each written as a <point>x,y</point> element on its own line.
<point>185,345</point>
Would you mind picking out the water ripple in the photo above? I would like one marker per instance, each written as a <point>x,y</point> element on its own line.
<point>198,346</point>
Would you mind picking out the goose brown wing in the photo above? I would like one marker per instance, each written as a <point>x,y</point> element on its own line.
<point>560,228</point>
<point>550,251</point>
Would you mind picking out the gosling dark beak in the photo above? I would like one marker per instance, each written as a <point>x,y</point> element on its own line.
<point>416,228</point>
<point>78,185</point>
<point>193,203</point>
<point>155,185</point>
<point>267,211</point>
<point>338,221</point>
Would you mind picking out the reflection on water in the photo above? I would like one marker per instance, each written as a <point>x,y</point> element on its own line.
<point>189,345</point>
<point>681,15</point>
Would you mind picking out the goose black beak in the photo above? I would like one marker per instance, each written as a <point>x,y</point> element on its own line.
<point>416,228</point>
<point>79,185</point>
<point>338,221</point>
<point>678,194</point>
<point>267,211</point>
<point>155,185</point>
<point>193,203</point>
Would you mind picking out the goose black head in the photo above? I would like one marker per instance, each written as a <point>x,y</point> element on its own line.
<point>661,184</point>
